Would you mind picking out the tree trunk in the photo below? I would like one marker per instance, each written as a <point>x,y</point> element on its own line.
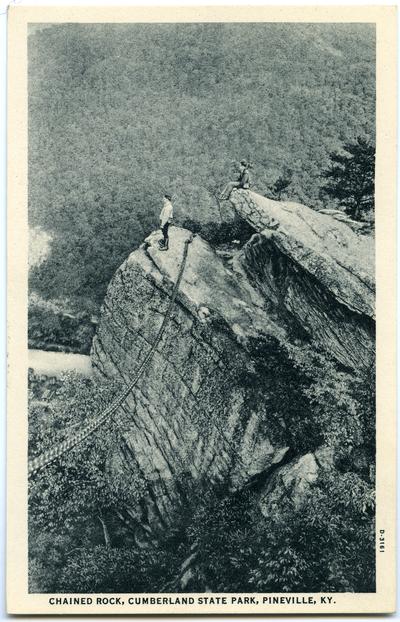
<point>107,539</point>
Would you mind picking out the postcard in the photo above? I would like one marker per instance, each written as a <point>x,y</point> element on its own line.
<point>201,304</point>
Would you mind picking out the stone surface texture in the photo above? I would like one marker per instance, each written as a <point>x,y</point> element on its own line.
<point>315,270</point>
<point>303,277</point>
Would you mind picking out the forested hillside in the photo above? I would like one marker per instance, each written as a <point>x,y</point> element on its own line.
<point>120,114</point>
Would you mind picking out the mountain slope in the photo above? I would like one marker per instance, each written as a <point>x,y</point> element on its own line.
<point>118,114</point>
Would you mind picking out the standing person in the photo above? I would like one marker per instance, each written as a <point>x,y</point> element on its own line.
<point>166,216</point>
<point>243,181</point>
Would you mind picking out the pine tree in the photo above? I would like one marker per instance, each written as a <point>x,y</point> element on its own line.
<point>351,177</point>
<point>282,183</point>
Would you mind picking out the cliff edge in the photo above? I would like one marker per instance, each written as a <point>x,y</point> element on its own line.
<point>204,409</point>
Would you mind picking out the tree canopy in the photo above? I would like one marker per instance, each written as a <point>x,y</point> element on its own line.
<point>121,113</point>
<point>351,177</point>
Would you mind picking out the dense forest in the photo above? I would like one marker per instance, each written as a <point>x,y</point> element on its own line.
<point>82,536</point>
<point>120,114</point>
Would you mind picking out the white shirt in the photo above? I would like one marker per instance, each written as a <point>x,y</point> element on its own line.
<point>167,213</point>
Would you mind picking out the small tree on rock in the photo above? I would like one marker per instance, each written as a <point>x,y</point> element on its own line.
<point>281,184</point>
<point>351,177</point>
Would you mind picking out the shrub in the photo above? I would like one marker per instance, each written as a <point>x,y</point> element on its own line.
<point>221,233</point>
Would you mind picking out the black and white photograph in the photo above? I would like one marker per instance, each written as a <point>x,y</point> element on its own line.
<point>201,403</point>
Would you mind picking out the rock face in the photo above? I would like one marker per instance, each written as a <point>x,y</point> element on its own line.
<point>315,271</point>
<point>294,479</point>
<point>194,378</point>
<point>302,278</point>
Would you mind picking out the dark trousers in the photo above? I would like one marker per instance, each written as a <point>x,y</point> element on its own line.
<point>164,230</point>
<point>226,193</point>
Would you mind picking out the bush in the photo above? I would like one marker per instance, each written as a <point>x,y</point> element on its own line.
<point>103,569</point>
<point>221,233</point>
<point>325,545</point>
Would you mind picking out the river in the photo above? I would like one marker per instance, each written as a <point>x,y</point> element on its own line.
<point>55,363</point>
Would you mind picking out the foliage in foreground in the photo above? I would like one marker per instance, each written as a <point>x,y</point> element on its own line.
<point>326,544</point>
<point>78,542</point>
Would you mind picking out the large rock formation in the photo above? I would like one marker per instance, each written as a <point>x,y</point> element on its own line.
<point>302,278</point>
<point>315,271</point>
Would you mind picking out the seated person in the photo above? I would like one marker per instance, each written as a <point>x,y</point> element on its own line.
<point>242,182</point>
